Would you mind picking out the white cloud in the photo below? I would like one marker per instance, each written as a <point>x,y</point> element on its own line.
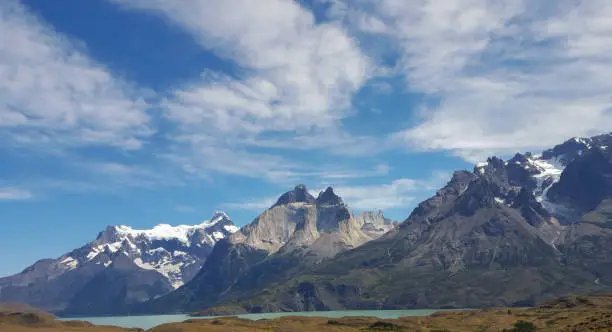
<point>204,158</point>
<point>297,79</point>
<point>254,205</point>
<point>299,74</point>
<point>399,193</point>
<point>14,194</point>
<point>332,141</point>
<point>105,177</point>
<point>509,76</point>
<point>51,93</point>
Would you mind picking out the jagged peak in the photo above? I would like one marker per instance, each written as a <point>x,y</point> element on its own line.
<point>220,213</point>
<point>299,194</point>
<point>460,178</point>
<point>218,217</point>
<point>329,197</point>
<point>164,231</point>
<point>567,151</point>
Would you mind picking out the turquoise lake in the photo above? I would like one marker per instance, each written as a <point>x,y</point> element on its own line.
<point>147,322</point>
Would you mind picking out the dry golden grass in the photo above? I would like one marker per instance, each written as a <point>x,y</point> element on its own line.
<point>574,319</point>
<point>23,318</point>
<point>569,314</point>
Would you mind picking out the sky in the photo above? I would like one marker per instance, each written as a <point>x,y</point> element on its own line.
<point>140,112</point>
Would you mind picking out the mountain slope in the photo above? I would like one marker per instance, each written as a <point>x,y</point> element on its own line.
<point>509,233</point>
<point>121,266</point>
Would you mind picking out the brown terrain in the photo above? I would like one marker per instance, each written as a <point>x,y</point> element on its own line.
<point>591,313</point>
<point>23,318</point>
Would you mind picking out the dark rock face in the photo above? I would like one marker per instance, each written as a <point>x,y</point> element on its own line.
<point>532,211</point>
<point>330,211</point>
<point>586,181</point>
<point>120,285</point>
<point>479,194</point>
<point>226,264</point>
<point>298,195</point>
<point>328,197</point>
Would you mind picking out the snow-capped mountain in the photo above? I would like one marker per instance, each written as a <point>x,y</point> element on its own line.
<point>176,252</point>
<point>163,258</point>
<point>541,173</point>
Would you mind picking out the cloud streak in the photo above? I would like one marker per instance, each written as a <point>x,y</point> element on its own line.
<point>299,74</point>
<point>52,94</point>
<point>14,194</point>
<point>295,82</point>
<point>503,76</point>
<point>399,193</point>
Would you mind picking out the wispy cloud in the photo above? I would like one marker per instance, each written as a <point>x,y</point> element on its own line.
<point>295,83</point>
<point>258,204</point>
<point>52,94</point>
<point>399,193</point>
<point>14,194</point>
<point>300,73</point>
<point>505,76</point>
<point>205,160</point>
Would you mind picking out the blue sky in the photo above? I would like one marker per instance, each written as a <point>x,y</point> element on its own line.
<point>139,112</point>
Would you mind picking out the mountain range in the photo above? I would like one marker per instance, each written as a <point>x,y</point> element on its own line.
<point>124,267</point>
<point>508,233</point>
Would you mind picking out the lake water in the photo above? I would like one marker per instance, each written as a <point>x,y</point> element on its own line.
<point>147,322</point>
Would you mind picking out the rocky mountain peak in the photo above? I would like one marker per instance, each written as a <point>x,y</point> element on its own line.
<point>109,235</point>
<point>374,223</point>
<point>520,158</point>
<point>480,193</point>
<point>220,216</point>
<point>299,194</point>
<point>458,182</point>
<point>328,197</point>
<point>569,150</point>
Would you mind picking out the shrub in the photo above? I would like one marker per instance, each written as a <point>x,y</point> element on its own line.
<point>522,326</point>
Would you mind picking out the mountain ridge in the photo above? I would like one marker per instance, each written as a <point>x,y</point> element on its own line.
<point>506,234</point>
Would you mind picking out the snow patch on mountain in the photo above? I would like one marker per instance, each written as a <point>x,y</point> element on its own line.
<point>70,263</point>
<point>231,228</point>
<point>549,173</point>
<point>481,167</point>
<point>170,250</point>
